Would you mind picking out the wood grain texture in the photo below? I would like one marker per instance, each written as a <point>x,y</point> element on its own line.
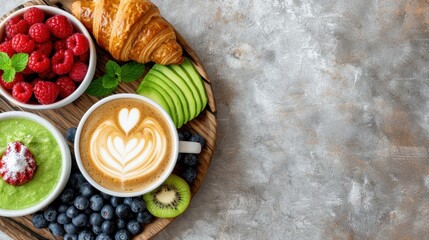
<point>69,116</point>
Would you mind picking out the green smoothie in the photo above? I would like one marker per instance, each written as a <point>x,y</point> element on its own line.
<point>46,152</point>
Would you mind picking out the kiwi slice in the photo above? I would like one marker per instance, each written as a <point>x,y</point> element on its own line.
<point>170,199</point>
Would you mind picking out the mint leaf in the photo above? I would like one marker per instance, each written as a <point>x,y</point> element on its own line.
<point>5,62</point>
<point>96,88</point>
<point>113,69</point>
<point>110,82</point>
<point>8,75</point>
<point>19,61</point>
<point>132,71</point>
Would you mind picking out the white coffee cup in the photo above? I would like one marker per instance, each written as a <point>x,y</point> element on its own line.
<point>177,146</point>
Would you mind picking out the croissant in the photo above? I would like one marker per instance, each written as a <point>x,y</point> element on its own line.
<point>130,30</point>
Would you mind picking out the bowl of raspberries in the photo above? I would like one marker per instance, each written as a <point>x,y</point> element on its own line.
<point>47,58</point>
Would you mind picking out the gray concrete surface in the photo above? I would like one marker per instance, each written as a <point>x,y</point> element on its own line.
<point>323,118</point>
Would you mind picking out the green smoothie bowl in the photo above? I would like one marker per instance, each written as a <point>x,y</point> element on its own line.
<point>35,163</point>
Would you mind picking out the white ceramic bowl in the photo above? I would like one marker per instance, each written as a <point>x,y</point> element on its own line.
<point>65,159</point>
<point>91,65</point>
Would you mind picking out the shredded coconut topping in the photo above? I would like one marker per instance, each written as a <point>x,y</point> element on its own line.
<point>15,161</point>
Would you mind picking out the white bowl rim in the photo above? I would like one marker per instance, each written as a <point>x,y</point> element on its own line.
<point>155,184</point>
<point>91,65</point>
<point>66,163</point>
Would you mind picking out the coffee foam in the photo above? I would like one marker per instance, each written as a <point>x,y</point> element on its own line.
<point>125,145</point>
<point>126,156</point>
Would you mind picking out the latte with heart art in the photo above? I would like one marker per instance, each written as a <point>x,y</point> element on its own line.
<point>125,145</point>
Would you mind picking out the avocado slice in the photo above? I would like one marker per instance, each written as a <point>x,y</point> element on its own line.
<point>167,97</point>
<point>153,94</point>
<point>185,77</point>
<point>182,84</point>
<point>170,95</point>
<point>184,110</point>
<point>188,67</point>
<point>179,86</point>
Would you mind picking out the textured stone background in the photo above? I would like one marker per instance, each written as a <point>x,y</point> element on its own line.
<point>323,118</point>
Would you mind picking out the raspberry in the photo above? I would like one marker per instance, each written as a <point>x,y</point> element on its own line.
<point>45,48</point>
<point>39,32</point>
<point>22,91</point>
<point>15,26</point>
<point>34,15</point>
<point>27,70</point>
<point>7,48</point>
<point>66,86</point>
<point>9,85</point>
<point>78,43</point>
<point>36,80</point>
<point>83,57</point>
<point>48,74</point>
<point>23,43</point>
<point>60,26</point>
<point>17,165</point>
<point>38,62</point>
<point>60,45</point>
<point>13,20</point>
<point>78,71</point>
<point>46,92</point>
<point>62,62</point>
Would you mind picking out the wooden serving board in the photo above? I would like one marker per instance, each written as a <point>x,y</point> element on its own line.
<point>64,118</point>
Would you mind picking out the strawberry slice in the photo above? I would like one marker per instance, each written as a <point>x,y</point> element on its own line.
<point>17,165</point>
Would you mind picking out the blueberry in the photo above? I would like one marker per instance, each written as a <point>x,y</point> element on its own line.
<point>39,221</point>
<point>50,214</point>
<point>180,157</point>
<point>107,212</point>
<point>86,189</point>
<point>56,229</point>
<point>128,200</point>
<point>72,212</point>
<point>96,229</point>
<point>95,219</point>
<point>134,227</point>
<point>86,235</point>
<point>197,138</point>
<point>122,235</point>
<point>180,135</point>
<point>81,203</point>
<point>70,134</point>
<point>80,220</point>
<point>67,195</point>
<point>186,134</point>
<point>121,223</point>
<point>63,219</point>
<point>105,196</point>
<point>190,174</point>
<point>70,228</point>
<point>144,217</point>
<point>108,227</point>
<point>88,211</point>
<point>138,205</point>
<point>123,211</point>
<point>70,236</point>
<point>103,236</point>
<point>96,202</point>
<point>62,208</point>
<point>190,160</point>
<point>115,201</point>
<point>76,180</point>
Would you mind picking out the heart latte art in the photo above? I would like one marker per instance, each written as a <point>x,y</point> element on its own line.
<point>128,148</point>
<point>125,145</point>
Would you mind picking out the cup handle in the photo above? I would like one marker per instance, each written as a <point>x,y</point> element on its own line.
<point>189,147</point>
